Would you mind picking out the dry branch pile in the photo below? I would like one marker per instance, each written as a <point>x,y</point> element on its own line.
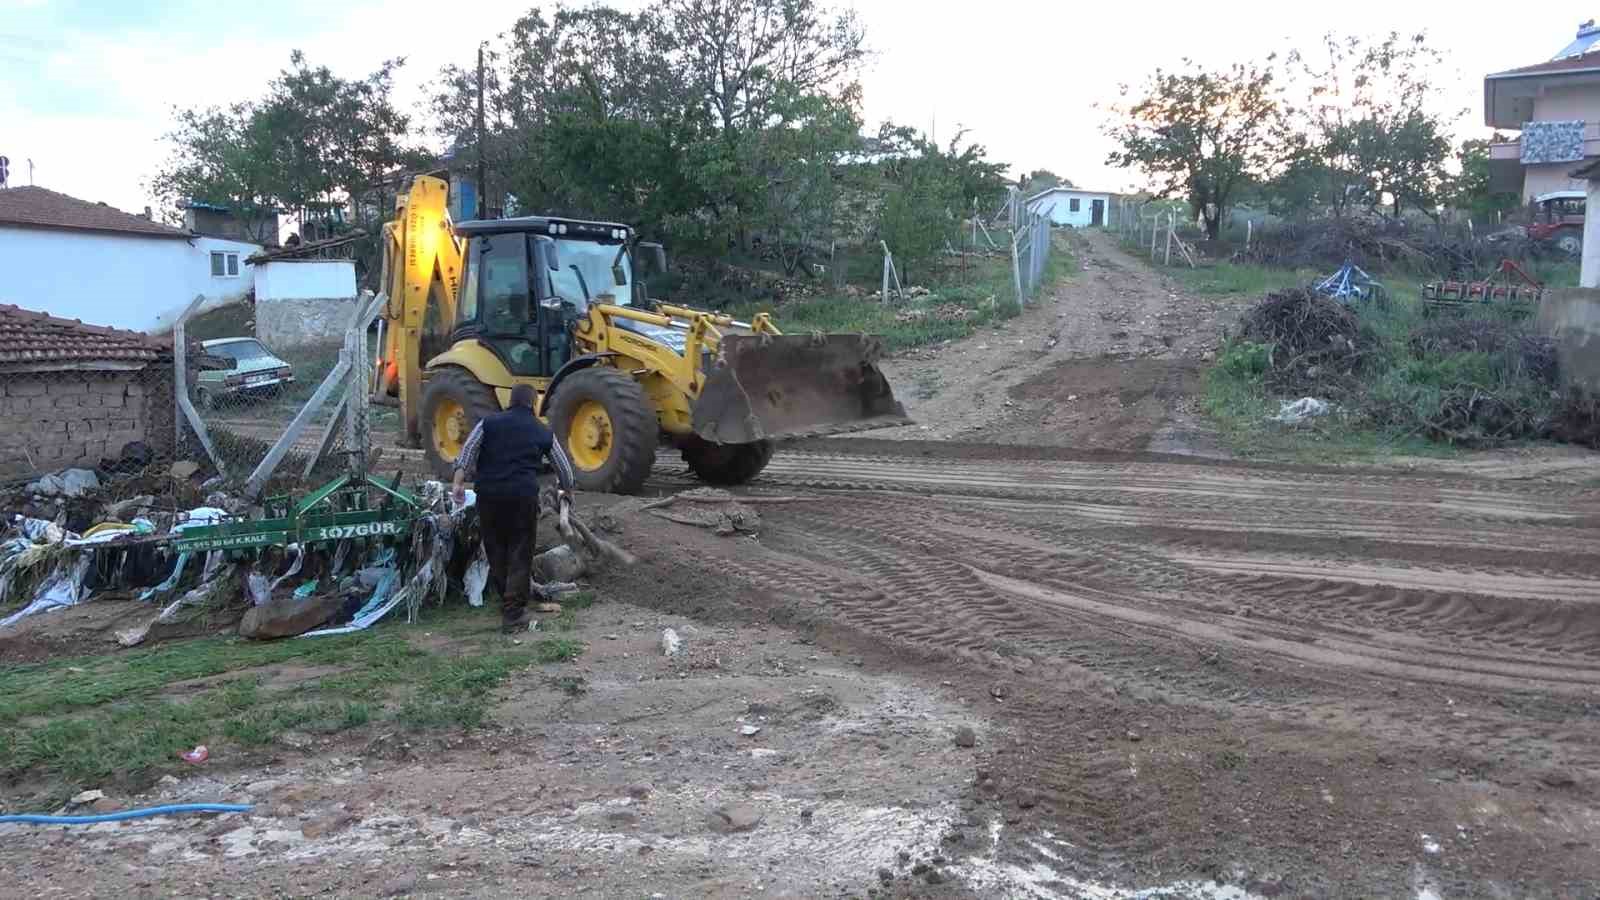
<point>1317,344</point>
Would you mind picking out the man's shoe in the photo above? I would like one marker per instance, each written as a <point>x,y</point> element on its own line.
<point>516,626</point>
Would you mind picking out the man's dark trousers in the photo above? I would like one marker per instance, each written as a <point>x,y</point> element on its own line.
<point>509,526</point>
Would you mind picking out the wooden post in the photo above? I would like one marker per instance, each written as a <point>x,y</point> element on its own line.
<point>884,297</point>
<point>1153,220</point>
<point>1249,229</point>
<point>1168,261</point>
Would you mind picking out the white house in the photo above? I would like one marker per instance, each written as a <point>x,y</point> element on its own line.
<point>1072,206</point>
<point>79,260</point>
<point>302,302</point>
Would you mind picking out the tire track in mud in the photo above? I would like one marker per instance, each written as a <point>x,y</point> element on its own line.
<point>1049,567</point>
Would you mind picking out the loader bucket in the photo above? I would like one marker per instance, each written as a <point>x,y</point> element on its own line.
<point>767,387</point>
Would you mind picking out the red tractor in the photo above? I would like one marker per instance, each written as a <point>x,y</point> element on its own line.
<point>1559,220</point>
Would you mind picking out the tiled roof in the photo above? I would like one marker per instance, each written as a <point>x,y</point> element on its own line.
<point>36,337</point>
<point>1570,64</point>
<point>42,208</point>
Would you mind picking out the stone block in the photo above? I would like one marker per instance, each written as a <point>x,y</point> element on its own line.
<point>67,386</point>
<point>24,386</point>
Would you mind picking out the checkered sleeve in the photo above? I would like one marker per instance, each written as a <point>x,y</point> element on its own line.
<point>468,459</point>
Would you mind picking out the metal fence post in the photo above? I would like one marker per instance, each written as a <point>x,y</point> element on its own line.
<point>1016,271</point>
<point>180,381</point>
<point>1168,261</point>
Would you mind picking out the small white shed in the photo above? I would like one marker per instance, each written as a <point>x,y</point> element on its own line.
<point>1072,206</point>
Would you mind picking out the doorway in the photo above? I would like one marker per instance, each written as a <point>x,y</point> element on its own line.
<point>1097,213</point>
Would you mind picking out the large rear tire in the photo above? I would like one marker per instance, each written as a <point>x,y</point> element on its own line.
<point>726,465</point>
<point>607,425</point>
<point>453,402</point>
<point>1570,241</point>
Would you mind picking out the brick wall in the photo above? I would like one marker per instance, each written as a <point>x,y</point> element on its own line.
<point>51,420</point>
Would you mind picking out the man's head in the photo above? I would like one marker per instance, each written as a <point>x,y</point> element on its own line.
<point>523,395</point>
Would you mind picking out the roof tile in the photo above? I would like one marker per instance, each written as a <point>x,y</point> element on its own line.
<point>36,206</point>
<point>36,337</point>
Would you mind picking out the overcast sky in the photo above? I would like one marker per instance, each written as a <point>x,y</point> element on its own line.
<point>86,86</point>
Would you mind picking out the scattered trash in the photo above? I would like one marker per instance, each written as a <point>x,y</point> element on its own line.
<point>476,577</point>
<point>67,483</point>
<point>198,755</point>
<point>1298,411</point>
<point>671,644</point>
<point>750,730</point>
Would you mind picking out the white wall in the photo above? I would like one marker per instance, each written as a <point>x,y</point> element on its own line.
<point>312,279</point>
<point>118,280</point>
<point>1058,205</point>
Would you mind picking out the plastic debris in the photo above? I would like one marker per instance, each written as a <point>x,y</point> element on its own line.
<point>198,755</point>
<point>62,588</point>
<point>1298,411</point>
<point>68,483</point>
<point>307,589</point>
<point>476,577</point>
<point>671,644</point>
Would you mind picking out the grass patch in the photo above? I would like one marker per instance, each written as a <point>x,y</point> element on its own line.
<point>1230,279</point>
<point>118,719</point>
<point>960,303</point>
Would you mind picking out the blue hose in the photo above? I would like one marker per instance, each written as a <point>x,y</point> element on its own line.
<point>34,819</point>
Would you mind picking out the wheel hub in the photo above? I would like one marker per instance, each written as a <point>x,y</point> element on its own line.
<point>590,437</point>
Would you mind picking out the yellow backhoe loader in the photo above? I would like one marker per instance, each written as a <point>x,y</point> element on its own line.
<point>478,307</point>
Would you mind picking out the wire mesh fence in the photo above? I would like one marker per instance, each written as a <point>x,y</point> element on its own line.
<point>260,417</point>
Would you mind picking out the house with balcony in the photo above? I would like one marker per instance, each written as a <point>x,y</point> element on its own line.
<point>1555,105</point>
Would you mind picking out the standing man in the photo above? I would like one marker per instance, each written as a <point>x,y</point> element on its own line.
<point>506,449</point>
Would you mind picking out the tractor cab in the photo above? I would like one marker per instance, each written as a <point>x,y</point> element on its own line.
<point>527,280</point>
<point>1558,218</point>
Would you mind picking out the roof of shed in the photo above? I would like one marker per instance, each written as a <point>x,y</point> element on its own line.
<point>35,337</point>
<point>42,208</point>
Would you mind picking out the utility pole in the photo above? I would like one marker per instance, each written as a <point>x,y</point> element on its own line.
<point>483,192</point>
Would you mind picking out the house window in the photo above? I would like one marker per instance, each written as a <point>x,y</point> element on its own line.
<point>1073,204</point>
<point>224,265</point>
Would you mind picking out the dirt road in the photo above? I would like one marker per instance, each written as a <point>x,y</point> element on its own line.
<point>1306,683</point>
<point>1109,358</point>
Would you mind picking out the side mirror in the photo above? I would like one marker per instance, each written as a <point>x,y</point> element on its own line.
<point>656,254</point>
<point>544,250</point>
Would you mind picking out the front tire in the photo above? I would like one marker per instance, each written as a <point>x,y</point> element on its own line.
<point>607,426</point>
<point>453,402</point>
<point>726,465</point>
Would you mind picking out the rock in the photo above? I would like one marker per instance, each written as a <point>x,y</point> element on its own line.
<point>1135,736</point>
<point>885,876</point>
<point>966,737</point>
<point>1027,800</point>
<point>1557,778</point>
<point>921,868</point>
<point>558,563</point>
<point>168,781</point>
<point>106,805</point>
<point>326,825</point>
<point>904,855</point>
<point>639,791</point>
<point>671,644</point>
<point>750,730</point>
<point>1000,690</point>
<point>295,740</point>
<point>934,876</point>
<point>807,814</point>
<point>733,818</point>
<point>395,887</point>
<point>622,817</point>
<point>87,797</point>
<point>288,616</point>
<point>183,469</point>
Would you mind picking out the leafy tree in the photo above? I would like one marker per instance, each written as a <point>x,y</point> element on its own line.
<point>313,140</point>
<point>1201,135</point>
<point>1471,190</point>
<point>1041,180</point>
<point>1367,122</point>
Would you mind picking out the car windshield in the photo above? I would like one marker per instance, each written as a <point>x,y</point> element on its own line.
<point>241,351</point>
<point>593,259</point>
